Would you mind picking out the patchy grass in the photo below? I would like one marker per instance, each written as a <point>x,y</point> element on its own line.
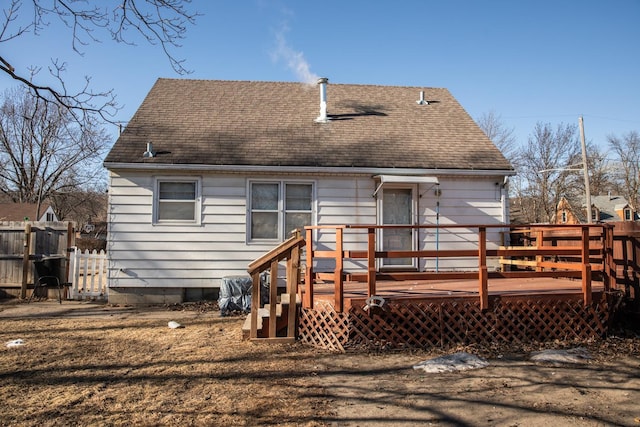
<point>139,372</point>
<point>110,367</point>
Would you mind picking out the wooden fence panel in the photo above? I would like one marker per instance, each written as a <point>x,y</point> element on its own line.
<point>46,238</point>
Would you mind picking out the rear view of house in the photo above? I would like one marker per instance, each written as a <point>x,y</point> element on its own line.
<point>209,175</point>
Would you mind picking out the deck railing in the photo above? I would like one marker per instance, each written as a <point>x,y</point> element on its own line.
<point>547,251</point>
<point>288,251</point>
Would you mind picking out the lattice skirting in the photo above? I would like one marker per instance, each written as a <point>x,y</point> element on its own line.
<point>454,321</point>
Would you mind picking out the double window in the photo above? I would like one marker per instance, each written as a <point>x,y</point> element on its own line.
<point>278,207</point>
<point>177,201</point>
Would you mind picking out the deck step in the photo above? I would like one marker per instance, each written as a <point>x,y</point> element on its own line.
<point>262,313</point>
<point>284,299</point>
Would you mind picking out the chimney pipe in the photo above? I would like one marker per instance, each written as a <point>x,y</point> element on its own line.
<point>322,118</point>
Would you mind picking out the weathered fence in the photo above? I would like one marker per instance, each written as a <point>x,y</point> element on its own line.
<point>87,274</point>
<point>22,244</point>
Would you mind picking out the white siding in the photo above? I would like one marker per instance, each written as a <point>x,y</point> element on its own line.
<point>142,254</point>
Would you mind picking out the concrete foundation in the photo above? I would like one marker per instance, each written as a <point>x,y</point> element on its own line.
<point>148,296</point>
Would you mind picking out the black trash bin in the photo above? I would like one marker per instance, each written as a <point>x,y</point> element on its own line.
<point>49,273</point>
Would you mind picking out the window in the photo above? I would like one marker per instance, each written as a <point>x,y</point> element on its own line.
<point>564,217</point>
<point>627,214</point>
<point>595,214</point>
<point>49,217</point>
<point>277,208</point>
<point>177,201</point>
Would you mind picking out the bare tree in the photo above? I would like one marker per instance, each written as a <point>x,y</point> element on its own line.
<point>502,136</point>
<point>627,148</point>
<point>545,169</point>
<point>162,22</point>
<point>43,149</point>
<point>600,179</point>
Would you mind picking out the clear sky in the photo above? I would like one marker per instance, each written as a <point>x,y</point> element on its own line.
<point>547,61</point>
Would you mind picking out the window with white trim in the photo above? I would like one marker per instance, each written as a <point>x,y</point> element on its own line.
<point>177,201</point>
<point>627,214</point>
<point>278,207</point>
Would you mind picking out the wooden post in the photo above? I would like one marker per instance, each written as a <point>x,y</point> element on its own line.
<point>308,275</point>
<point>339,284</point>
<point>25,260</point>
<point>586,267</point>
<point>273,298</point>
<point>539,244</point>
<point>293,265</point>
<point>609,262</point>
<point>71,241</point>
<point>255,304</point>
<point>482,268</point>
<point>371,261</point>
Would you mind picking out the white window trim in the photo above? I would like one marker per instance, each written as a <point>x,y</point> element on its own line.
<point>198,200</point>
<point>281,214</point>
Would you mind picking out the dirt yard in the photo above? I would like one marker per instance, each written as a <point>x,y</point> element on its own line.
<point>91,364</point>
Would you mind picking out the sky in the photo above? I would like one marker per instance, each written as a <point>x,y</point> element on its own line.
<point>528,61</point>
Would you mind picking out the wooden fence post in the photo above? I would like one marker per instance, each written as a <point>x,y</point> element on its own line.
<point>25,260</point>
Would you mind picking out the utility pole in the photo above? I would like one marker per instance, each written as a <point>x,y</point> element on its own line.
<point>585,170</point>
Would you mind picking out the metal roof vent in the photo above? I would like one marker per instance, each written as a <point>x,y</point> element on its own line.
<point>149,153</point>
<point>323,118</point>
<point>422,101</point>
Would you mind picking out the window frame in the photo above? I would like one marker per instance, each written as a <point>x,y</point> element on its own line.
<point>281,234</point>
<point>628,215</point>
<point>197,201</point>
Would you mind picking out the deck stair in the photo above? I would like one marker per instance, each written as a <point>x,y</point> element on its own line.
<point>263,319</point>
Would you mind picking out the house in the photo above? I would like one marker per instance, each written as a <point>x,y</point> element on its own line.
<point>210,175</point>
<point>27,212</point>
<point>608,208</point>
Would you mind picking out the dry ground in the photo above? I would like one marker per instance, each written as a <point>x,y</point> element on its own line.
<point>91,364</point>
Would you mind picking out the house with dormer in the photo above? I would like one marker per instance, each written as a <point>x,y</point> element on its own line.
<point>209,175</point>
<point>607,208</point>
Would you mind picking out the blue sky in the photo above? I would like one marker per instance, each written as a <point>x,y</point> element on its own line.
<point>528,61</point>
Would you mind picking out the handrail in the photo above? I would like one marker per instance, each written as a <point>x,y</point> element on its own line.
<point>582,253</point>
<point>288,250</point>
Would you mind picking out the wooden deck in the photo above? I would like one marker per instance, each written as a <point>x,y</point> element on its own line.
<point>555,286</point>
<point>426,289</point>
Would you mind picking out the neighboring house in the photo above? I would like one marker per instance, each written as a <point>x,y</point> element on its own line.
<point>210,175</point>
<point>607,208</point>
<point>27,212</point>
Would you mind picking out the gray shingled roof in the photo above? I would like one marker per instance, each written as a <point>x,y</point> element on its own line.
<point>211,122</point>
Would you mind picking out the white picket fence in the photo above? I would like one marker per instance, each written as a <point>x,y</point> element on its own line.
<point>88,274</point>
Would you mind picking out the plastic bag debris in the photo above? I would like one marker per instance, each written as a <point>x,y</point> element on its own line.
<point>15,343</point>
<point>460,361</point>
<point>175,325</point>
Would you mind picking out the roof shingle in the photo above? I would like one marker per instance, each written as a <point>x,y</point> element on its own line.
<point>212,122</point>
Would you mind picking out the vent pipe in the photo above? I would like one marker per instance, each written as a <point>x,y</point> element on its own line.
<point>422,101</point>
<point>149,152</point>
<point>322,118</point>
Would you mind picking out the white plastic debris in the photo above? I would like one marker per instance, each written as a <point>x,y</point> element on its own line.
<point>460,361</point>
<point>15,343</point>
<point>572,355</point>
<point>175,325</point>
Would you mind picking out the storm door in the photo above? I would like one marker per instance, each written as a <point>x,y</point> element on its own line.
<point>397,208</point>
